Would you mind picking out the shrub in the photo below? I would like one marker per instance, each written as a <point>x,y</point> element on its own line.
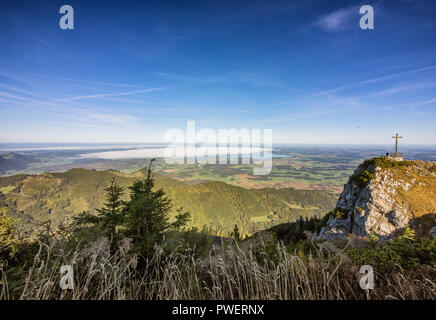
<point>236,234</point>
<point>198,242</point>
<point>296,231</point>
<point>373,238</point>
<point>404,252</point>
<point>386,163</point>
<point>408,234</point>
<point>10,242</point>
<point>363,179</point>
<point>339,214</point>
<point>359,209</point>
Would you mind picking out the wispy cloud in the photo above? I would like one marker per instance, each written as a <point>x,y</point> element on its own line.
<point>424,103</point>
<point>90,81</point>
<point>14,97</point>
<point>278,103</point>
<point>337,20</point>
<point>317,108</point>
<point>72,107</point>
<point>254,79</point>
<point>402,88</point>
<point>113,118</point>
<point>355,84</point>
<point>110,94</point>
<point>393,90</point>
<point>17,90</point>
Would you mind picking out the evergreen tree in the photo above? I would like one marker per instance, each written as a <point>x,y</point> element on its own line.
<point>108,220</point>
<point>182,219</point>
<point>147,215</point>
<point>236,234</point>
<point>111,215</point>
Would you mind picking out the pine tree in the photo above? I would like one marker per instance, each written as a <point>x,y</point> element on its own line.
<point>182,219</point>
<point>147,215</point>
<point>236,234</point>
<point>111,215</point>
<point>108,220</point>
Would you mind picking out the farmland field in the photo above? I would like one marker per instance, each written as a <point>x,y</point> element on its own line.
<point>298,166</point>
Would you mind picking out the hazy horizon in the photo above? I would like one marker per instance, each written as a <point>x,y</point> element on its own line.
<point>30,147</point>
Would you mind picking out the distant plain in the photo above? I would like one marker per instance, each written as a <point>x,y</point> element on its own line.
<point>294,166</point>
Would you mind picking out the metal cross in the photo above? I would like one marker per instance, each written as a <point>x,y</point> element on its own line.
<point>396,142</point>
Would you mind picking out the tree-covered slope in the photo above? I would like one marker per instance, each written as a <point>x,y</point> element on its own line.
<point>14,161</point>
<point>56,196</point>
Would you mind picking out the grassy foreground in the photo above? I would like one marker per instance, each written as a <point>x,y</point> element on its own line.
<point>228,271</point>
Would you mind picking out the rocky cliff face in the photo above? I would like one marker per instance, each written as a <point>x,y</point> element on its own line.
<point>382,197</point>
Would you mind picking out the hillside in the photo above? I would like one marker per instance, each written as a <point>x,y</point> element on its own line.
<point>57,196</point>
<point>382,197</point>
<point>13,161</point>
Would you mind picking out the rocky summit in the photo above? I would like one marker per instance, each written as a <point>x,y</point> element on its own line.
<point>383,197</point>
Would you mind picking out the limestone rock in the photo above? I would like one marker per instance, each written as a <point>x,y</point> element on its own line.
<point>368,203</point>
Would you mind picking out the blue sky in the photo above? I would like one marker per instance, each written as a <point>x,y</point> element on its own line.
<point>131,70</point>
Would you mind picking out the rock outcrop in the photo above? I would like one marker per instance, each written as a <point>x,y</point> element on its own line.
<point>382,197</point>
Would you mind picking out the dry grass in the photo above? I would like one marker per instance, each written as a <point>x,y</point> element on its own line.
<point>229,272</point>
<point>421,196</point>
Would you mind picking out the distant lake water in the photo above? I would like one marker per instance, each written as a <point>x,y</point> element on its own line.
<point>147,150</point>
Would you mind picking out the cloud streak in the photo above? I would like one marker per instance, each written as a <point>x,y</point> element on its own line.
<point>90,81</point>
<point>424,103</point>
<point>110,94</point>
<point>355,84</point>
<point>337,20</point>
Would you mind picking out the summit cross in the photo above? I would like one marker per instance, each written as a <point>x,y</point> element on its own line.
<point>396,142</point>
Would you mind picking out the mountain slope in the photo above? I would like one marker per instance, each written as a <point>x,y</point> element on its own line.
<point>14,161</point>
<point>57,196</point>
<point>382,197</point>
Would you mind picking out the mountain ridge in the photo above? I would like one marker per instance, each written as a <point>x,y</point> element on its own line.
<point>56,197</point>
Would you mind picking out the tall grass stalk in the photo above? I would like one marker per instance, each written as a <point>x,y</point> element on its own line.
<point>228,272</point>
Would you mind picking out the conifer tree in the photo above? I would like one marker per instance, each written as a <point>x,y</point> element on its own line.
<point>236,234</point>
<point>111,215</point>
<point>109,219</point>
<point>147,215</point>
